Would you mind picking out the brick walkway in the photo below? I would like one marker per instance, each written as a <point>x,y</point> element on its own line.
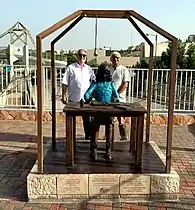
<point>18,154</point>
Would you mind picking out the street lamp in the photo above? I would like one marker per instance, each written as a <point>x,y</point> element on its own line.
<point>156,42</point>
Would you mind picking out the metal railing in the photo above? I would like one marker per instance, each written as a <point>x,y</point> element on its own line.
<point>20,90</point>
<point>184,89</point>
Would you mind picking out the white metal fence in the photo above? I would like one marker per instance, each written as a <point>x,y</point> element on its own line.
<point>18,88</point>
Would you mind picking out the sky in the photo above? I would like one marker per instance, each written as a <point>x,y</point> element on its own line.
<point>175,16</point>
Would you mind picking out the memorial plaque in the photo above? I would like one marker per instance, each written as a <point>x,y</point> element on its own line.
<point>103,184</point>
<point>134,184</point>
<point>72,184</point>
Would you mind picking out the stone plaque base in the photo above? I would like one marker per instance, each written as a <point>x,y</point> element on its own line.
<point>114,187</point>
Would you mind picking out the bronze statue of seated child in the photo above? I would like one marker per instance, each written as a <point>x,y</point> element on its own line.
<point>103,91</point>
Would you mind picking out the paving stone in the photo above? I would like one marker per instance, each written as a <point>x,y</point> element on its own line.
<point>46,205</point>
<point>3,204</point>
<point>18,155</point>
<point>27,208</point>
<point>55,206</point>
<point>18,208</point>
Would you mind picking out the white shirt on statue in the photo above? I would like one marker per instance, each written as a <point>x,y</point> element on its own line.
<point>78,79</point>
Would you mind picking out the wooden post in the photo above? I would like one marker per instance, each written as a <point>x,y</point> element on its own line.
<point>74,134</point>
<point>39,104</point>
<point>112,147</point>
<point>149,76</point>
<point>139,141</point>
<point>53,82</point>
<point>64,32</point>
<point>133,134</point>
<point>69,141</point>
<point>171,106</point>
<point>149,93</point>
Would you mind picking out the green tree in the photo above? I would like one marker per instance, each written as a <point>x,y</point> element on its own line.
<point>71,58</point>
<point>190,56</point>
<point>143,64</point>
<point>44,54</point>
<point>62,56</point>
<point>181,58</point>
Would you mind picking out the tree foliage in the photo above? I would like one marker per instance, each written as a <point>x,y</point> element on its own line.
<point>62,56</point>
<point>142,64</point>
<point>190,57</point>
<point>71,57</point>
<point>185,56</point>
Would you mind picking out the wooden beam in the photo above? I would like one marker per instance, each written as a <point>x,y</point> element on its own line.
<point>59,24</point>
<point>53,70</point>
<point>149,92</point>
<point>53,94</point>
<point>107,16</point>
<point>152,25</point>
<point>39,104</point>
<point>66,30</point>
<point>106,13</point>
<point>140,31</point>
<point>171,105</point>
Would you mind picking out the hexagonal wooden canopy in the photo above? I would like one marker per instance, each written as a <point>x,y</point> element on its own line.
<point>114,14</point>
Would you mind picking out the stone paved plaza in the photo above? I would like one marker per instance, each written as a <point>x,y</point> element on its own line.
<point>18,155</point>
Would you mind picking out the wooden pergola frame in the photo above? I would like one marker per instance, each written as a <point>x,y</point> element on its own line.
<point>118,14</point>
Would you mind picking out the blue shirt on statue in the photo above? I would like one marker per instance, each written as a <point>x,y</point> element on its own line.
<point>104,92</point>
